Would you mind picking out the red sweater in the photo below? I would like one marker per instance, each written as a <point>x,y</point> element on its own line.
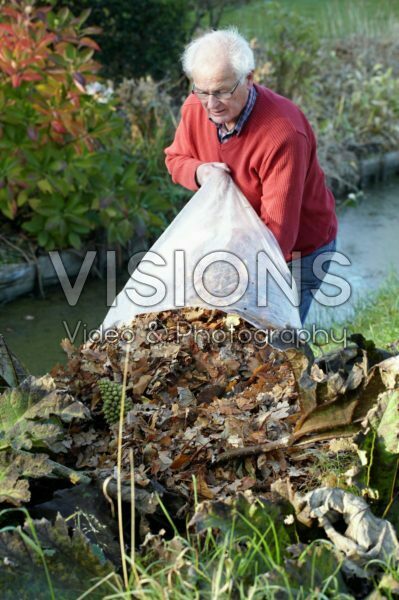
<point>273,161</point>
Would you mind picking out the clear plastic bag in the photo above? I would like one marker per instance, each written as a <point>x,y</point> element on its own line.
<point>217,253</point>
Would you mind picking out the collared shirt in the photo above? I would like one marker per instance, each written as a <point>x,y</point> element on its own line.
<point>224,134</point>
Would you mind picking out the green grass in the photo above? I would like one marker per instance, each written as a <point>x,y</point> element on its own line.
<point>222,565</point>
<point>376,318</point>
<point>217,566</point>
<point>334,18</point>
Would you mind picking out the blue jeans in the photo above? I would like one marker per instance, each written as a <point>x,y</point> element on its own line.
<point>309,282</point>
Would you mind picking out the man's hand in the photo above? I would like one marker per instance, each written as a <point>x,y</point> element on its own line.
<point>205,170</point>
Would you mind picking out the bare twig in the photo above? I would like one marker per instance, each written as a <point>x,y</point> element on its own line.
<point>254,450</point>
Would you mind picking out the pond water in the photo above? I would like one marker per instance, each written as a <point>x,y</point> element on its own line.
<point>368,236</point>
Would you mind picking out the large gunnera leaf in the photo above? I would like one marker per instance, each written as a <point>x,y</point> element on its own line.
<point>73,564</point>
<point>12,371</point>
<point>15,469</point>
<point>32,416</point>
<point>378,448</point>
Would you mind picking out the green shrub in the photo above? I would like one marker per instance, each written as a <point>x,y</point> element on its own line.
<point>288,59</point>
<point>66,168</point>
<point>371,106</point>
<point>354,107</point>
<point>152,118</point>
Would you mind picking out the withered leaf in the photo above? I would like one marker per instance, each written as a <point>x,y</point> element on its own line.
<point>180,462</point>
<point>327,417</point>
<point>140,386</point>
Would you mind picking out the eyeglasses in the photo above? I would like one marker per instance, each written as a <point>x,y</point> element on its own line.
<point>220,95</point>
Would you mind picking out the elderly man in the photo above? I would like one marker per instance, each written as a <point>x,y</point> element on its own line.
<point>263,140</point>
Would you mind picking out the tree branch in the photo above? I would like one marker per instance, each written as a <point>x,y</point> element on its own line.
<point>254,450</point>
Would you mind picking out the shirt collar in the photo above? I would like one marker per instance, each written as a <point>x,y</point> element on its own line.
<point>223,133</point>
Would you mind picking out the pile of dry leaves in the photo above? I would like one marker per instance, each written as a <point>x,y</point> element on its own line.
<point>215,404</point>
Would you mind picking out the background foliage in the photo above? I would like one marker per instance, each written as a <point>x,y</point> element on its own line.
<point>68,166</point>
<point>139,38</point>
<point>80,156</point>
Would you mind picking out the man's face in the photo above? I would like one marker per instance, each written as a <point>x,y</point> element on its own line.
<point>222,78</point>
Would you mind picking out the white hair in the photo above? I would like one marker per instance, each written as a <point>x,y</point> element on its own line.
<point>234,46</point>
